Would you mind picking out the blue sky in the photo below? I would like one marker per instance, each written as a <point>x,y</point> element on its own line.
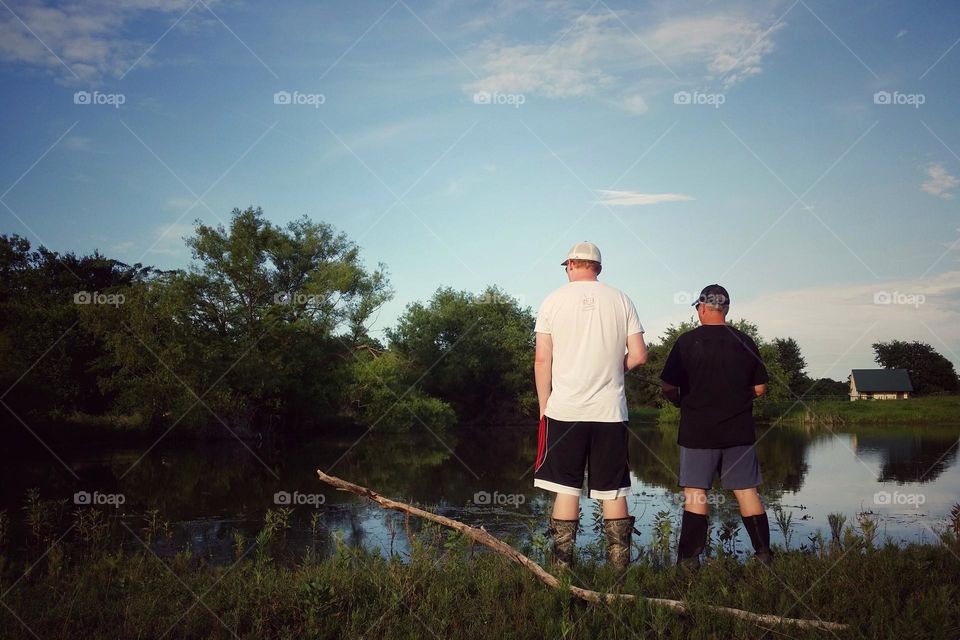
<point>804,154</point>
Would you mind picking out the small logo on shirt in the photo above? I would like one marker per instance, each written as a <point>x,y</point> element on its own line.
<point>589,303</point>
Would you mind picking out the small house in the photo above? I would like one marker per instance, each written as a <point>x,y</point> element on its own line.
<point>880,384</point>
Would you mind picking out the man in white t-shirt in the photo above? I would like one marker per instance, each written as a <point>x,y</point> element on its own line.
<point>588,336</point>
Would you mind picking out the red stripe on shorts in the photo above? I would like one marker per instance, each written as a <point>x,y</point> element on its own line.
<point>541,441</point>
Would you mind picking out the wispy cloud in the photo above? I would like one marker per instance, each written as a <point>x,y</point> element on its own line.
<point>605,53</point>
<point>733,46</point>
<point>939,182</point>
<point>635,104</point>
<point>84,41</point>
<point>633,198</point>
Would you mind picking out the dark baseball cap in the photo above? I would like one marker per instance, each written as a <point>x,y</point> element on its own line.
<point>713,294</point>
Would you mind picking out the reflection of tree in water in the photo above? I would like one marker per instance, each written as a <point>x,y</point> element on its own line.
<point>655,457</point>
<point>225,478</point>
<point>503,457</point>
<point>654,454</point>
<point>783,453</point>
<point>492,458</point>
<point>912,457</point>
<point>397,464</point>
<point>420,469</point>
<point>212,491</point>
<point>215,478</point>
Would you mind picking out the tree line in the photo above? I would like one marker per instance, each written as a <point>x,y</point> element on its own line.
<point>269,326</point>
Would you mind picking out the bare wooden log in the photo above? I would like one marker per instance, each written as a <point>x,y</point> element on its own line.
<point>484,538</point>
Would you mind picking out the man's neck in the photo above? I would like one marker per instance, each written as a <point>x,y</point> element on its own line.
<point>585,277</point>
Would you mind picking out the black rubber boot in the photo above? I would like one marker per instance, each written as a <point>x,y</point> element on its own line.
<point>758,528</point>
<point>564,534</point>
<point>619,532</point>
<point>693,539</point>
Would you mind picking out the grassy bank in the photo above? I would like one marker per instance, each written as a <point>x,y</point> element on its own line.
<point>446,588</point>
<point>938,409</point>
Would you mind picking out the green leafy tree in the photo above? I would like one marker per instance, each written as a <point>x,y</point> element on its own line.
<point>46,357</point>
<point>930,372</point>
<point>642,385</point>
<point>828,387</point>
<point>384,393</point>
<point>264,324</point>
<point>473,351</point>
<point>793,364</point>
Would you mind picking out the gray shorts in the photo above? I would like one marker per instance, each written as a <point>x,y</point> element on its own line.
<point>738,467</point>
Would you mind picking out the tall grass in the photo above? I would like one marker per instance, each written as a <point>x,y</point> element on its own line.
<point>448,588</point>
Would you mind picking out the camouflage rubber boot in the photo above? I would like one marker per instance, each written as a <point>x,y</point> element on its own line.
<point>564,534</point>
<point>619,534</point>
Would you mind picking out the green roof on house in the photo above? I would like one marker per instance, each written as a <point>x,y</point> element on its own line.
<point>880,380</point>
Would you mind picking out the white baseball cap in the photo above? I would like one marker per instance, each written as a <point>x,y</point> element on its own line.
<point>583,251</point>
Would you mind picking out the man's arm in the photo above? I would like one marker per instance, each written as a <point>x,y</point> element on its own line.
<point>636,352</point>
<point>759,390</point>
<point>543,369</point>
<point>671,393</point>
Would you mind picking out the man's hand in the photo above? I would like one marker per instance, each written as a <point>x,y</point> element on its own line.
<point>543,369</point>
<point>671,393</point>
<point>759,390</point>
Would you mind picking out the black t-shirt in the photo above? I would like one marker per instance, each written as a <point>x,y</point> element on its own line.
<point>716,368</point>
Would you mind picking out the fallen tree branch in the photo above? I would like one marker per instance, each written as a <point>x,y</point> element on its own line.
<point>484,538</point>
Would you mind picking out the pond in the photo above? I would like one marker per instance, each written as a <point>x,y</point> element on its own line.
<point>906,478</point>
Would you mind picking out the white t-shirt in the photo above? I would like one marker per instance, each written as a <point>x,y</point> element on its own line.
<point>588,322</point>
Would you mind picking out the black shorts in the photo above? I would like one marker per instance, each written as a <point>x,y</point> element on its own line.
<point>564,449</point>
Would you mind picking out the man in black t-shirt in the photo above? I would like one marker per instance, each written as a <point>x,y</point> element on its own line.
<point>713,373</point>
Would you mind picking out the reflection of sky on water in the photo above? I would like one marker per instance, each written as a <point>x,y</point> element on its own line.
<point>845,477</point>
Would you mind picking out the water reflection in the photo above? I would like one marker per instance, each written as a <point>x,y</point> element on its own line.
<point>483,476</point>
<point>910,458</point>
